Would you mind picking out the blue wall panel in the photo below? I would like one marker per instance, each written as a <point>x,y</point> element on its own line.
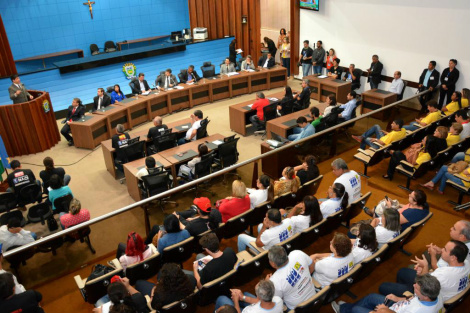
<point>83,84</point>
<point>47,26</point>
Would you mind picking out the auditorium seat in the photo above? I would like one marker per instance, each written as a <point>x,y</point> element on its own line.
<point>109,46</point>
<point>221,286</point>
<point>208,70</point>
<point>179,252</point>
<point>7,201</point>
<point>415,230</point>
<point>370,157</point>
<point>370,263</point>
<point>250,267</point>
<point>313,304</point>
<point>187,305</point>
<point>355,208</point>
<point>456,300</point>
<point>83,235</point>
<point>288,199</point>
<point>342,284</point>
<point>411,172</point>
<point>310,235</point>
<point>395,244</point>
<point>258,215</point>
<point>237,224</point>
<point>309,188</point>
<point>144,269</point>
<point>94,49</point>
<point>463,190</point>
<point>39,213</point>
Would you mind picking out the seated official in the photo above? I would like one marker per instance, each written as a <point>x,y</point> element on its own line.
<point>121,297</point>
<point>365,244</point>
<point>140,85</point>
<point>302,97</point>
<point>17,91</point>
<point>454,105</point>
<point>264,191</point>
<point>289,182</point>
<point>454,134</point>
<point>170,234</point>
<point>167,80</point>
<point>235,204</point>
<point>101,101</point>
<point>133,251</point>
<point>272,231</point>
<point>191,133</point>
<point>51,170</point>
<point>12,234</point>
<point>308,170</point>
<point>282,108</point>
<point>397,83</point>
<point>387,138</point>
<point>303,130</point>
<point>353,75</point>
<point>227,67</point>
<point>433,115</point>
<point>19,178</point>
<point>248,64</point>
<point>75,216</point>
<point>74,113</point>
<point>28,301</point>
<point>428,80</point>
<point>266,61</point>
<point>332,265</point>
<point>315,113</point>
<point>258,119</point>
<point>348,107</point>
<point>190,76</point>
<point>187,171</point>
<point>331,101</point>
<point>305,214</point>
<point>156,131</point>
<point>119,141</point>
<point>57,190</point>
<point>337,200</point>
<point>336,71</point>
<point>117,95</point>
<point>200,217</point>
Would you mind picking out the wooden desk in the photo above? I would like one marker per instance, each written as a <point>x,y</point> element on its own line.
<point>42,57</point>
<point>131,169</point>
<point>239,114</point>
<point>90,133</point>
<point>375,99</point>
<point>108,150</point>
<point>137,110</point>
<point>322,87</point>
<point>170,154</point>
<point>115,114</point>
<point>129,42</point>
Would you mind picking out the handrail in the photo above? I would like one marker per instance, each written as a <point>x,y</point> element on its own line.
<point>199,180</point>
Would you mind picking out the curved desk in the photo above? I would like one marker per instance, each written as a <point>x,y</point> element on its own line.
<point>26,128</point>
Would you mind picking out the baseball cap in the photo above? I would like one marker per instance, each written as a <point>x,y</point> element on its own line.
<point>115,278</point>
<point>203,203</point>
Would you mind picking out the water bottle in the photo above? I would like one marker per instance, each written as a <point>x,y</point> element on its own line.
<point>83,118</point>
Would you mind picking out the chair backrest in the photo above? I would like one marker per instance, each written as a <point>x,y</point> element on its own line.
<point>144,269</point>
<point>416,228</point>
<point>98,287</point>
<point>400,96</point>
<point>355,208</point>
<point>221,286</point>
<point>343,284</point>
<point>228,153</point>
<point>7,201</point>
<point>395,244</point>
<point>178,253</point>
<point>291,243</point>
<point>270,112</point>
<point>109,46</point>
<point>5,217</point>
<point>313,304</point>
<point>156,183</point>
<point>39,212</point>
<point>237,224</point>
<point>134,85</point>
<point>29,194</point>
<point>306,100</point>
<point>442,157</point>
<point>285,200</point>
<point>62,204</point>
<point>204,167</point>
<point>109,89</point>
<point>94,49</point>
<point>16,259</point>
<point>247,270</point>
<point>202,131</point>
<point>368,264</point>
<point>134,151</point>
<point>187,305</point>
<point>259,213</point>
<point>181,73</point>
<point>332,222</point>
<point>309,188</point>
<point>197,246</point>
<point>456,300</point>
<point>239,64</point>
<point>311,234</point>
<point>208,70</point>
<point>165,142</point>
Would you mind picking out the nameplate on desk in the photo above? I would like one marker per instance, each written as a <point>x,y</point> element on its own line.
<point>290,123</point>
<point>183,127</point>
<point>84,118</point>
<point>127,100</point>
<point>185,155</point>
<point>385,92</point>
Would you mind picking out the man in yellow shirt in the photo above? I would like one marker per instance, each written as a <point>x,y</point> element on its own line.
<point>382,137</point>
<point>434,115</point>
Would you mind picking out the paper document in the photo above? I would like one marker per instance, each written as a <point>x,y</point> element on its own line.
<point>179,87</point>
<point>273,99</point>
<point>191,83</point>
<point>239,51</point>
<point>184,126</point>
<point>322,76</point>
<point>250,105</point>
<point>233,73</point>
<point>145,93</point>
<point>217,142</point>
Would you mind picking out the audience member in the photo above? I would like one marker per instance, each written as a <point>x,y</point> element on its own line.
<point>453,136</point>
<point>289,182</point>
<point>305,214</point>
<point>308,170</point>
<point>74,113</point>
<point>330,59</point>
<point>75,215</point>
<point>187,171</point>
<point>397,133</point>
<point>10,301</point>
<point>365,244</point>
<point>461,116</point>
<point>140,85</point>
<point>121,297</point>
<point>134,251</point>
<point>13,235</point>
<point>170,234</point>
<point>269,43</point>
<point>337,200</point>
<point>292,280</point>
<point>428,80</point>
<point>205,220</point>
<point>386,226</point>
<point>235,204</point>
<point>19,288</point>
<point>50,170</point>
<point>455,105</point>
<point>397,83</point>
<point>118,142</point>
<point>258,119</point>
<point>57,190</point>
<point>449,78</point>
<point>465,97</point>
<point>248,64</point>
<point>266,61</point>
<point>303,130</point>
<point>273,231</point>
<point>433,116</point>
<point>285,55</point>
<point>101,101</point>
<point>167,80</point>
<point>348,178</point>
<point>306,58</point>
<point>265,191</point>
<point>336,71</point>
<point>191,133</point>
<point>189,76</point>
<point>353,75</point>
<point>302,97</point>
<point>172,285</point>
<point>157,129</point>
<point>331,101</point>
<point>285,107</point>
<point>227,309</point>
<point>20,178</point>
<point>348,107</point>
<point>460,231</point>
<point>330,266</point>
<point>227,67</point>
<point>375,72</point>
<point>443,175</point>
<point>317,58</point>
<point>117,95</point>
<point>150,164</point>
<point>315,113</point>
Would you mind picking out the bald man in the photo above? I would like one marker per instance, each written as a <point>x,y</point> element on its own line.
<point>155,132</point>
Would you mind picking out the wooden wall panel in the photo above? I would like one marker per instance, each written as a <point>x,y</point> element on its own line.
<point>7,64</point>
<point>294,36</point>
<point>224,18</point>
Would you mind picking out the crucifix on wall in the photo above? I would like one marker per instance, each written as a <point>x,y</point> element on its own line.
<point>89,4</point>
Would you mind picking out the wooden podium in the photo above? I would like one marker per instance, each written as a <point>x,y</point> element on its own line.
<point>26,127</point>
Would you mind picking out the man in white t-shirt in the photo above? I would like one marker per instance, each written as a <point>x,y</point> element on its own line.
<point>453,278</point>
<point>191,133</point>
<point>461,232</point>
<point>348,178</point>
<point>292,279</point>
<point>330,266</point>
<point>273,231</point>
<point>426,299</point>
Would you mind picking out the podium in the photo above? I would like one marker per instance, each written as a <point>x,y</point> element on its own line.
<point>29,127</point>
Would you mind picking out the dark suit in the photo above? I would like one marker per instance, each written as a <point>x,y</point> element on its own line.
<point>75,116</point>
<point>272,48</point>
<point>449,79</point>
<point>22,97</point>
<point>432,82</point>
<point>262,60</point>
<point>304,95</point>
<point>160,81</point>
<point>184,77</point>
<point>136,87</point>
<point>375,74</point>
<point>104,103</point>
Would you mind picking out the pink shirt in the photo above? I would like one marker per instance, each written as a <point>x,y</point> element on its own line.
<point>69,220</point>
<point>129,260</point>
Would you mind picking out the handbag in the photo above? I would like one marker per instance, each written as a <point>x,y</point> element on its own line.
<point>412,153</point>
<point>457,168</point>
<point>99,270</point>
<point>354,229</point>
<point>52,224</point>
<point>379,209</point>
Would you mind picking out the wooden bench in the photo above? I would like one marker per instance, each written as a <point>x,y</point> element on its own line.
<point>42,57</point>
<point>128,42</point>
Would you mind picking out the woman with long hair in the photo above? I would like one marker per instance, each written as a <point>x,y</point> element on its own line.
<point>285,107</point>
<point>289,182</point>
<point>337,200</point>
<point>285,55</point>
<point>117,95</point>
<point>187,171</point>
<point>121,298</point>
<point>331,101</point>
<point>329,60</point>
<point>454,105</point>
<point>264,191</point>
<point>50,170</point>
<point>308,170</point>
<point>134,251</point>
<point>387,226</point>
<point>365,244</point>
<point>304,214</point>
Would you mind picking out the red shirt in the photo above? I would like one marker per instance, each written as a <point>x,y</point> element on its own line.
<point>69,220</point>
<point>258,106</point>
<point>233,207</point>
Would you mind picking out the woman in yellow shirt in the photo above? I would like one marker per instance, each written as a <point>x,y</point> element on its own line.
<point>285,55</point>
<point>465,97</point>
<point>455,105</point>
<point>454,134</point>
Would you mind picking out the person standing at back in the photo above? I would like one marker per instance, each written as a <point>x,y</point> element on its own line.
<point>306,58</point>
<point>318,57</point>
<point>449,78</point>
<point>375,72</point>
